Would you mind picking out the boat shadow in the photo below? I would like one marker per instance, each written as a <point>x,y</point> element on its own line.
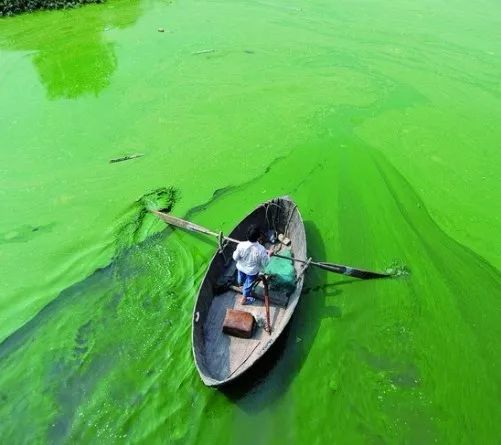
<point>270,377</point>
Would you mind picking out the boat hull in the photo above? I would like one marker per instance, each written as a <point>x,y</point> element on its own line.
<point>219,358</point>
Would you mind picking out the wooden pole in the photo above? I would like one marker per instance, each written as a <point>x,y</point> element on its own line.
<point>267,327</point>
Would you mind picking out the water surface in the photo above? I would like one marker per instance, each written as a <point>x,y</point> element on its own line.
<point>379,118</point>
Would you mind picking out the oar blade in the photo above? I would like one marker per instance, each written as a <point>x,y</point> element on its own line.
<point>183,224</point>
<point>350,271</point>
<point>366,274</point>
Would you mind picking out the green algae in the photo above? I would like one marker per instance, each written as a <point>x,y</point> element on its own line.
<point>377,120</point>
<point>373,339</point>
<point>137,220</point>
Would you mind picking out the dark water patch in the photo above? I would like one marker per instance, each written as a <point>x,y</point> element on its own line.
<point>371,436</point>
<point>408,378</point>
<point>25,233</point>
<point>83,339</point>
<point>401,374</point>
<point>333,288</point>
<point>75,386</point>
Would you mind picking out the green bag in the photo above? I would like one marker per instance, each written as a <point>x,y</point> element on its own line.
<point>282,272</point>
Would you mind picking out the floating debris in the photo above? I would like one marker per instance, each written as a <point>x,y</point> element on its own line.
<point>333,384</point>
<point>204,51</point>
<point>161,30</point>
<point>249,51</point>
<point>126,158</point>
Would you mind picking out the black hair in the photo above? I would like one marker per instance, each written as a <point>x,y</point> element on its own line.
<point>253,233</point>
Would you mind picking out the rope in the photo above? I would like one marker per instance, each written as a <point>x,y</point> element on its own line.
<point>274,225</point>
<point>289,219</point>
<point>222,244</point>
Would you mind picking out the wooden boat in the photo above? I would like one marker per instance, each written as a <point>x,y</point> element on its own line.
<point>221,358</point>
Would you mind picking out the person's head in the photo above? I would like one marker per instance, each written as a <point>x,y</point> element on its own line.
<point>253,233</point>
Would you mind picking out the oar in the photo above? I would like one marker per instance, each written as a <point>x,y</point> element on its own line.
<point>339,268</point>
<point>330,267</point>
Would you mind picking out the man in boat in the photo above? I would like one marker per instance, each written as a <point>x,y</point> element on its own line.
<point>251,257</point>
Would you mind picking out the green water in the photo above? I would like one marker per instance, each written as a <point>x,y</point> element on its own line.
<point>380,118</point>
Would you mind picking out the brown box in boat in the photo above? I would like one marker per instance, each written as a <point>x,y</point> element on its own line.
<point>238,323</point>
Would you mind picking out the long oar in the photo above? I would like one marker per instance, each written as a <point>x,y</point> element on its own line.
<point>339,268</point>
<point>331,267</point>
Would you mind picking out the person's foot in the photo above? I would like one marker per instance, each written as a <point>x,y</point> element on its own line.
<point>247,300</point>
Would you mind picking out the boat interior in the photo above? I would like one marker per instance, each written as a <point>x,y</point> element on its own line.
<point>221,357</point>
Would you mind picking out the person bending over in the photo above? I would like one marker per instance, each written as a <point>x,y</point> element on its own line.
<point>251,258</point>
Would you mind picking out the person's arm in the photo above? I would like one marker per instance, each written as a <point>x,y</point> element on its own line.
<point>236,253</point>
<point>265,258</point>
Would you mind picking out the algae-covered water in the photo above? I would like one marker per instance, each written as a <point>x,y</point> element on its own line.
<point>380,118</point>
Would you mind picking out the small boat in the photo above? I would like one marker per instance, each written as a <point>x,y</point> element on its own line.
<point>221,358</point>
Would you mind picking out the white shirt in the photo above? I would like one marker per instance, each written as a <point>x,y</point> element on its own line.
<point>251,258</point>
